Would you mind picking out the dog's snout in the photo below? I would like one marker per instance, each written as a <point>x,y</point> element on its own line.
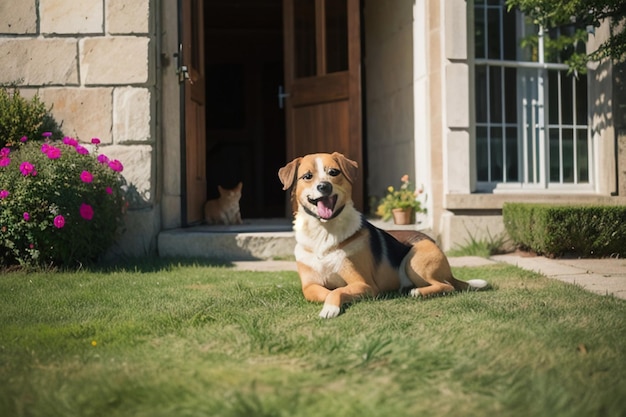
<point>325,188</point>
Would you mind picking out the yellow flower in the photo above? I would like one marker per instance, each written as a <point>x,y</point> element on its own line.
<point>94,343</point>
<point>404,197</point>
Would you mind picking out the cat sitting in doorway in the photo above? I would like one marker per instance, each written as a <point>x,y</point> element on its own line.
<point>225,209</point>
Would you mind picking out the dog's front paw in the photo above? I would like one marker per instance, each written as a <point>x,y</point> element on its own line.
<point>329,311</point>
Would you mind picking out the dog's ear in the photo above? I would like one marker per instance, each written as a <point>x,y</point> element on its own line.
<point>287,174</point>
<point>349,167</point>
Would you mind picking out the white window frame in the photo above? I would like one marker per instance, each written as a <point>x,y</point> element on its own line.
<point>533,147</point>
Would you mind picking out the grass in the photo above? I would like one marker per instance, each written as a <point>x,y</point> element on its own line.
<point>483,247</point>
<point>168,339</point>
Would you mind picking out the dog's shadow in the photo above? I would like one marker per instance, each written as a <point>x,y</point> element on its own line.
<point>405,293</point>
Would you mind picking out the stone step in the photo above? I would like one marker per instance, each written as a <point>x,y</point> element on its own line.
<point>256,239</point>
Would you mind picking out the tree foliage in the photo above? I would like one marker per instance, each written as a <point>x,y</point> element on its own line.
<point>582,17</point>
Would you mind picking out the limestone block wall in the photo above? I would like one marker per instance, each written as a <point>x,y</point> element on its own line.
<point>93,61</point>
<point>458,171</point>
<point>389,93</point>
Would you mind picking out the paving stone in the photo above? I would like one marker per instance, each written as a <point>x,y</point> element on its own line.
<point>601,276</point>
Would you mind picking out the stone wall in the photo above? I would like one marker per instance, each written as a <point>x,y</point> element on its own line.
<point>389,93</point>
<point>93,61</point>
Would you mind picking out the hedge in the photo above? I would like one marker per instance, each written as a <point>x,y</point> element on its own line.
<point>584,231</point>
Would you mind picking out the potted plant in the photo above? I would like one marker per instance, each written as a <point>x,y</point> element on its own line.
<point>401,203</point>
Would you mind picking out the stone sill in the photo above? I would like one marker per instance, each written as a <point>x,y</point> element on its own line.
<point>454,202</point>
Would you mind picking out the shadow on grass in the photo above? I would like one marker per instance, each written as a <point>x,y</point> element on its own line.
<point>135,264</point>
<point>155,264</point>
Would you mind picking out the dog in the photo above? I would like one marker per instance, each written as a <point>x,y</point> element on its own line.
<point>340,256</point>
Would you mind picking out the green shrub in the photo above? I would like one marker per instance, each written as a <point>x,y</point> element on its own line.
<point>59,204</point>
<point>20,117</point>
<point>586,231</point>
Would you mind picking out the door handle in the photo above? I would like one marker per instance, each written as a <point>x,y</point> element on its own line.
<point>281,97</point>
<point>182,70</point>
<point>183,74</point>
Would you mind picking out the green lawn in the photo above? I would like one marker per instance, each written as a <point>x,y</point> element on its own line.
<point>165,339</point>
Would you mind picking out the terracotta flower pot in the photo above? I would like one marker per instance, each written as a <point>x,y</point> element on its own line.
<point>402,216</point>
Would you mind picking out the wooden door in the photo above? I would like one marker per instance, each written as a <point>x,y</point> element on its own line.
<point>323,80</point>
<point>192,74</point>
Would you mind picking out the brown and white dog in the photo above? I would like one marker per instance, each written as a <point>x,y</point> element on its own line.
<point>341,256</point>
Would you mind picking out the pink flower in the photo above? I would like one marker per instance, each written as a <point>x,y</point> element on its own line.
<point>70,141</point>
<point>405,178</point>
<point>54,152</point>
<point>46,134</point>
<point>109,190</point>
<point>95,141</point>
<point>23,139</point>
<point>4,157</point>
<point>26,168</point>
<point>32,246</point>
<point>4,194</point>
<point>86,211</point>
<point>26,216</point>
<point>103,159</point>
<point>82,150</point>
<point>51,151</point>
<point>59,221</point>
<point>86,176</point>
<point>116,165</point>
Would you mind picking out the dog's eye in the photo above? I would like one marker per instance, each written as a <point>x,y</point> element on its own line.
<point>308,176</point>
<point>333,172</point>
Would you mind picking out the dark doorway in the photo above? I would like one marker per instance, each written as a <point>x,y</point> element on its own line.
<point>245,128</point>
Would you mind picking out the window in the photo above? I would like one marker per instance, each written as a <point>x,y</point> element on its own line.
<point>531,119</point>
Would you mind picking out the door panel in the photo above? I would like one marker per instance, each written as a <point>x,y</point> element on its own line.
<point>321,127</point>
<point>195,109</point>
<point>322,89</point>
<point>323,80</point>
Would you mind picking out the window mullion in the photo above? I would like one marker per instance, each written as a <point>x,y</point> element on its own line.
<point>574,131</point>
<point>561,152</point>
<point>488,76</point>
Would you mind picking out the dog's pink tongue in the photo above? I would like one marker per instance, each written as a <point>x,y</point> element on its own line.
<point>324,208</point>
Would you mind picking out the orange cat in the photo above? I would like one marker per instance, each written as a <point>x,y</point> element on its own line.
<point>225,209</point>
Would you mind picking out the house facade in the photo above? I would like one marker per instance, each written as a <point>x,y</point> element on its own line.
<point>192,94</point>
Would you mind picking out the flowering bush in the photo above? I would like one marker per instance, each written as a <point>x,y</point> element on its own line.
<point>58,203</point>
<point>403,197</point>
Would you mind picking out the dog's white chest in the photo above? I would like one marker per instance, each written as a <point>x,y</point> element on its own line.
<point>327,266</point>
<point>323,248</point>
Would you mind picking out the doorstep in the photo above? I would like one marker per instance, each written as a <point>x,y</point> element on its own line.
<point>256,239</point>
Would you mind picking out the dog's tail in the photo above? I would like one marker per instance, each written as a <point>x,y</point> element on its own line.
<point>469,285</point>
